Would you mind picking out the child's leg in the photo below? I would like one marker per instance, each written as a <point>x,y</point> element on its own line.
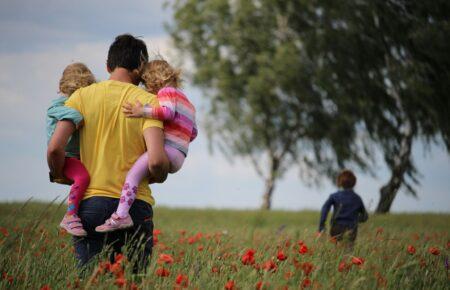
<point>75,171</point>
<point>129,190</point>
<point>175,157</point>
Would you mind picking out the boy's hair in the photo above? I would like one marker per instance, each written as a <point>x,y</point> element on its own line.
<point>127,52</point>
<point>158,74</point>
<point>75,76</point>
<point>346,179</point>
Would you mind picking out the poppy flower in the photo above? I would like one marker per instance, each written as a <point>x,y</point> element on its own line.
<point>303,249</point>
<point>306,283</point>
<point>249,257</point>
<point>230,285</point>
<point>120,282</point>
<point>307,268</point>
<point>357,261</point>
<point>434,251</point>
<point>343,267</point>
<point>411,249</point>
<point>165,258</point>
<point>281,256</point>
<point>4,231</point>
<point>182,280</point>
<point>269,266</point>
<point>215,270</point>
<point>260,285</point>
<point>45,287</point>
<point>162,272</point>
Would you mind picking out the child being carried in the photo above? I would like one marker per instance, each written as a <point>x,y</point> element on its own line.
<point>178,115</point>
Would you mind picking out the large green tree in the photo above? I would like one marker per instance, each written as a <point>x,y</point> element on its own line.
<point>262,103</point>
<point>311,83</point>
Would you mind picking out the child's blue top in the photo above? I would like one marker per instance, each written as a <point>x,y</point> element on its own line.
<point>57,112</point>
<point>348,209</point>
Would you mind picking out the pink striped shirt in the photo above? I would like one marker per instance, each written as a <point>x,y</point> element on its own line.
<point>178,115</point>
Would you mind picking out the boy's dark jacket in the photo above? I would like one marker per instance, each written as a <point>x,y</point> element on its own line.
<point>348,209</point>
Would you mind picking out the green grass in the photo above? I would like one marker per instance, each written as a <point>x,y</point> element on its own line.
<point>33,253</point>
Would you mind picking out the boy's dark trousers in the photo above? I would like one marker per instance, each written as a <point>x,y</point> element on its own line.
<point>139,238</point>
<point>340,231</point>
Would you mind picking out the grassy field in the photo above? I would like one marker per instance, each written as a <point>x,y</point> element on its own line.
<point>212,249</point>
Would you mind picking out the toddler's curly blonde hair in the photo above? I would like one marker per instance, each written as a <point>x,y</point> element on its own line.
<point>158,74</point>
<point>75,76</point>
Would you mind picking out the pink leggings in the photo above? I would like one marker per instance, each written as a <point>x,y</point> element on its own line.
<point>75,171</point>
<point>138,172</point>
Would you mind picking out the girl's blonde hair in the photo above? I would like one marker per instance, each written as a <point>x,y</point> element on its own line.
<point>158,74</point>
<point>75,76</point>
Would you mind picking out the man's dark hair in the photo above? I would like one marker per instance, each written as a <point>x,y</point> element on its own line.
<point>127,52</point>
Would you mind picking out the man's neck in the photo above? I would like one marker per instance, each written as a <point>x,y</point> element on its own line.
<point>122,75</point>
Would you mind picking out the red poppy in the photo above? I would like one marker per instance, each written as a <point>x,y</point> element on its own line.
<point>162,272</point>
<point>343,267</point>
<point>249,257</point>
<point>182,280</point>
<point>120,282</point>
<point>230,285</point>
<point>215,270</point>
<point>307,268</point>
<point>281,256</point>
<point>357,261</point>
<point>200,248</point>
<point>303,249</point>
<point>4,231</point>
<point>434,251</point>
<point>306,283</point>
<point>133,286</point>
<point>46,287</point>
<point>261,285</point>
<point>269,266</point>
<point>165,258</point>
<point>118,259</point>
<point>411,249</point>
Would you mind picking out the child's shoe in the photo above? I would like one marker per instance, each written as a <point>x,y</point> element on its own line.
<point>115,223</point>
<point>72,224</point>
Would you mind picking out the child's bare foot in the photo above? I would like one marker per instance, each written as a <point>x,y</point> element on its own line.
<point>115,223</point>
<point>72,224</point>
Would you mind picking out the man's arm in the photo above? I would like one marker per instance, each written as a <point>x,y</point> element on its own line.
<point>55,151</point>
<point>158,163</point>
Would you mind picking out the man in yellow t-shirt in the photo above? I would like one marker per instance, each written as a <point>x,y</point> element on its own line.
<point>109,145</point>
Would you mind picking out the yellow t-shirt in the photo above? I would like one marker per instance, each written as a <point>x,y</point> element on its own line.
<point>110,143</point>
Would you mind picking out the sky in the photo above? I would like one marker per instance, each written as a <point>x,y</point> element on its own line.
<point>39,38</point>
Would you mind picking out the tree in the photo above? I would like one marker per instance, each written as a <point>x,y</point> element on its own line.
<point>263,103</point>
<point>392,57</point>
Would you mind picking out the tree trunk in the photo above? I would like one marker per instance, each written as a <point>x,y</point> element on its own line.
<point>390,189</point>
<point>268,191</point>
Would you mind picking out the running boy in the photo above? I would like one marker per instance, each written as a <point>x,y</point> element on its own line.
<point>348,209</point>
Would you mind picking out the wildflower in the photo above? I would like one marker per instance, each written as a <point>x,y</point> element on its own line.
<point>133,286</point>
<point>215,270</point>
<point>303,249</point>
<point>307,268</point>
<point>269,266</point>
<point>46,287</point>
<point>411,249</point>
<point>165,258</point>
<point>162,272</point>
<point>249,257</point>
<point>182,280</point>
<point>120,281</point>
<point>288,275</point>
<point>306,283</point>
<point>343,267</point>
<point>200,248</point>
<point>119,258</point>
<point>4,231</point>
<point>281,256</point>
<point>230,285</point>
<point>434,251</point>
<point>357,261</point>
<point>260,285</point>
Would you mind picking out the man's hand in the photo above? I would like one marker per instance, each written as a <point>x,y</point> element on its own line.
<point>55,151</point>
<point>158,163</point>
<point>136,111</point>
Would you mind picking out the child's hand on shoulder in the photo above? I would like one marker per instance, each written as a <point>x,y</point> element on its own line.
<point>136,111</point>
